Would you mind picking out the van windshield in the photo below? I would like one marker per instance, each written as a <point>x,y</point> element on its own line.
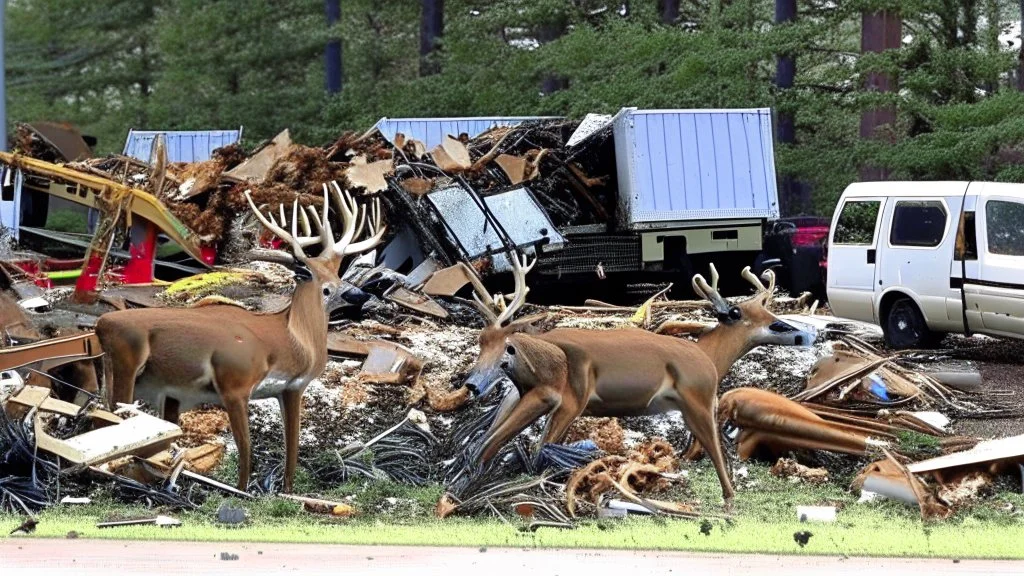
<point>1005,229</point>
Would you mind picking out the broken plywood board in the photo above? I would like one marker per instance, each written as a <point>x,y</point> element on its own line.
<point>451,155</point>
<point>370,176</point>
<point>139,433</point>
<point>39,397</point>
<point>418,302</point>
<point>513,166</point>
<point>342,344</point>
<point>448,281</point>
<point>255,167</point>
<point>417,186</point>
<point>1010,449</point>
<point>423,272</point>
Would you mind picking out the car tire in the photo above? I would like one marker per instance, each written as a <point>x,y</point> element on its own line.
<point>905,327</point>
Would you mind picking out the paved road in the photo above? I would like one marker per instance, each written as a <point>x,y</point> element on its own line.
<point>110,557</point>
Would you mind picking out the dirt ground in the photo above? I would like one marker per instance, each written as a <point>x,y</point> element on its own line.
<point>1000,378</point>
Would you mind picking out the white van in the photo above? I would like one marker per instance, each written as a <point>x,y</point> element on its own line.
<point>922,259</point>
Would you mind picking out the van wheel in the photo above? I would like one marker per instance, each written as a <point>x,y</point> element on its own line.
<point>905,327</point>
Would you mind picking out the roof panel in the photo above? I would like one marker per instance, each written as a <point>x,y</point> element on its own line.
<point>182,145</point>
<point>689,164</point>
<point>431,131</point>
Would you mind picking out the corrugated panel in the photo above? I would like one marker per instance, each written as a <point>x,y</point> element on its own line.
<point>695,164</point>
<point>431,131</point>
<point>182,145</point>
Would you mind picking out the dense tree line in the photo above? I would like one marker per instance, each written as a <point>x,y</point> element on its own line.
<point>110,65</point>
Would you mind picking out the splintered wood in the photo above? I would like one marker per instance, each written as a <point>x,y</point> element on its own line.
<point>648,469</point>
<point>451,155</point>
<point>372,176</point>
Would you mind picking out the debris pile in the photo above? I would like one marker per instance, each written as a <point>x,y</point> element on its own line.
<point>391,405</point>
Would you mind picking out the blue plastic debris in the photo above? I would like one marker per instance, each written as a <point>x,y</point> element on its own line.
<point>561,457</point>
<point>878,387</point>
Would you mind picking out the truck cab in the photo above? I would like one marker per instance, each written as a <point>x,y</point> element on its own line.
<point>924,259</point>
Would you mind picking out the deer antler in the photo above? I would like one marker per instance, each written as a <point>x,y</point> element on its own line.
<point>293,239</point>
<point>758,285</point>
<point>519,270</point>
<point>701,287</point>
<point>354,220</point>
<point>487,303</point>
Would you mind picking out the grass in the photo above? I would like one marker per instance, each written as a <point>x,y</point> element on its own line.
<point>765,522</point>
<point>67,221</point>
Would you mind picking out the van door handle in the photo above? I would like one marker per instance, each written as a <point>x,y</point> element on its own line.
<point>871,255</point>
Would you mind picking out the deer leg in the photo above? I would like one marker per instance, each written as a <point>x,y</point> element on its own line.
<point>559,421</point>
<point>122,362</point>
<point>699,415</point>
<point>531,406</point>
<point>238,415</point>
<point>291,412</point>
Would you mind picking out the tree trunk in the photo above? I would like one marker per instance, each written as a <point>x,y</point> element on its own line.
<point>332,53</point>
<point>1020,52</point>
<point>880,31</point>
<point>793,200</point>
<point>669,11</point>
<point>431,28</point>
<point>546,33</point>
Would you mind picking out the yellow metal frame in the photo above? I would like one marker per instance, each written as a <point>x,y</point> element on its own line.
<point>140,203</point>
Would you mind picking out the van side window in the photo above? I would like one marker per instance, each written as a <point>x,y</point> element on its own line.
<point>1005,229</point>
<point>966,238</point>
<point>856,224</point>
<point>920,224</point>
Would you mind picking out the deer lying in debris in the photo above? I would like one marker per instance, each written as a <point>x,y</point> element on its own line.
<point>565,373</point>
<point>773,422</point>
<point>175,359</point>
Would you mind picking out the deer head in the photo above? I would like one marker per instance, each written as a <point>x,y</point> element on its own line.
<point>496,357</point>
<point>323,270</point>
<point>749,324</point>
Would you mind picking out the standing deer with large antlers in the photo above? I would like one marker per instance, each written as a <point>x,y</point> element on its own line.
<point>565,372</point>
<point>175,359</point>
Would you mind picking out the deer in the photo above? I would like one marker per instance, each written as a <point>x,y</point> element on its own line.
<point>567,372</point>
<point>175,359</point>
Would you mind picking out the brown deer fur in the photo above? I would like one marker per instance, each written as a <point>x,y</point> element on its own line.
<point>772,422</point>
<point>222,354</point>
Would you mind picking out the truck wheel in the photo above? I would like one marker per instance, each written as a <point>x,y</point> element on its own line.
<point>905,327</point>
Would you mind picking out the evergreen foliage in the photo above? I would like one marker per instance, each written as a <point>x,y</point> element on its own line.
<point>111,65</point>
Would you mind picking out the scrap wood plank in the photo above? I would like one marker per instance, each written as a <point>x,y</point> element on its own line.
<point>136,434</point>
<point>1010,449</point>
<point>80,346</point>
<point>418,302</point>
<point>342,344</point>
<point>39,397</point>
